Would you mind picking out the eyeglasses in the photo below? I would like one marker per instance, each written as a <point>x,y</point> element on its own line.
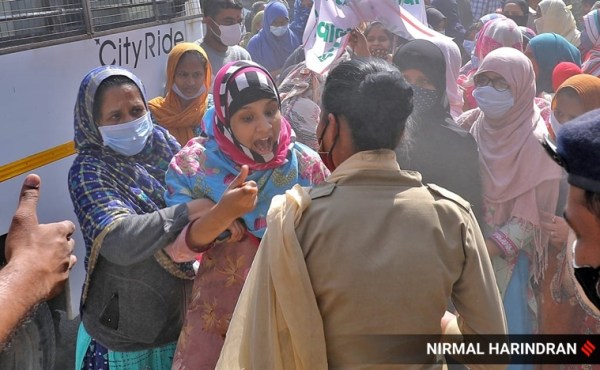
<point>499,84</point>
<point>589,279</point>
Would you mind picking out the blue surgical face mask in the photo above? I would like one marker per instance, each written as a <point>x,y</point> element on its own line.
<point>493,103</point>
<point>279,31</point>
<point>128,138</point>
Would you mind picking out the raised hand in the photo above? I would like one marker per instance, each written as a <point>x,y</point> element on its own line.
<point>240,197</point>
<point>44,252</point>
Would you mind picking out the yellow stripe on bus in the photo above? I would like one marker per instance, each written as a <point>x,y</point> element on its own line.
<point>21,166</point>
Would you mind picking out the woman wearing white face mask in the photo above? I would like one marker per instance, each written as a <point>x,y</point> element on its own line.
<point>519,180</point>
<point>188,80</point>
<point>134,296</point>
<point>275,42</point>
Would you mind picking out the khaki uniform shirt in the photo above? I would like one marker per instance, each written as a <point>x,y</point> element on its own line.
<point>386,253</point>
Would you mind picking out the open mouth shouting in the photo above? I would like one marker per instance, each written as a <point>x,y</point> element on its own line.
<point>263,146</point>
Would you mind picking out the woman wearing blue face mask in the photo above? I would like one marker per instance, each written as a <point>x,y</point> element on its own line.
<point>275,42</point>
<point>520,182</point>
<point>134,295</point>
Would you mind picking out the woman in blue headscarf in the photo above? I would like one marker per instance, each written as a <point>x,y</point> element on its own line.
<point>134,295</point>
<point>301,12</point>
<point>272,45</point>
<point>545,52</point>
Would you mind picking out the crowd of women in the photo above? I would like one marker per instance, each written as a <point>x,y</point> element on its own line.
<point>172,193</point>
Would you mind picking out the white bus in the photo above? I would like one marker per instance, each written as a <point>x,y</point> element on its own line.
<point>46,47</point>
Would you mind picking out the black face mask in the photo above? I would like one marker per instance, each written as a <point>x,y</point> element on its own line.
<point>589,279</point>
<point>520,20</point>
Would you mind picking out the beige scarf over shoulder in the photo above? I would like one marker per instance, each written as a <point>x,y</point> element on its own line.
<point>277,312</point>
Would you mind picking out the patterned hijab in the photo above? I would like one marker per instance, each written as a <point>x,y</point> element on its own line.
<point>472,64</point>
<point>591,23</point>
<point>237,84</point>
<point>498,33</point>
<point>206,166</point>
<point>556,17</point>
<point>168,111</point>
<point>106,186</point>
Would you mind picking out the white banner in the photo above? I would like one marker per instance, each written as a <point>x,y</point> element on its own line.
<point>416,8</point>
<point>331,20</point>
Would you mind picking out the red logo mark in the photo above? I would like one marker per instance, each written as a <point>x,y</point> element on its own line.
<point>588,348</point>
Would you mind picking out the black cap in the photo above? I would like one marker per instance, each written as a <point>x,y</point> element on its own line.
<point>577,150</point>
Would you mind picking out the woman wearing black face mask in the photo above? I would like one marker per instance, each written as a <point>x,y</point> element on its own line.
<point>517,10</point>
<point>435,146</point>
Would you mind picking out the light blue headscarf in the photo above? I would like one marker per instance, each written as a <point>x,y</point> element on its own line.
<point>265,48</point>
<point>549,49</point>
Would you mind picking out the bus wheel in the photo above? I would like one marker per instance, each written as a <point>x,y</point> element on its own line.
<point>33,345</point>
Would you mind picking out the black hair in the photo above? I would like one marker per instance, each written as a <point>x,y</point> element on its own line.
<point>112,81</point>
<point>592,203</point>
<point>372,25</point>
<point>250,16</point>
<point>212,7</point>
<point>589,2</point>
<point>194,52</point>
<point>374,98</point>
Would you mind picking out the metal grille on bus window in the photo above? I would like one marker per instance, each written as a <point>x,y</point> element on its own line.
<point>109,14</point>
<point>28,21</point>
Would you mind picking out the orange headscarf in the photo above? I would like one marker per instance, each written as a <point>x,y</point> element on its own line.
<point>168,111</point>
<point>587,88</point>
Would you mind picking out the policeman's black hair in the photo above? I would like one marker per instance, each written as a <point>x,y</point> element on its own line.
<point>374,98</point>
<point>211,8</point>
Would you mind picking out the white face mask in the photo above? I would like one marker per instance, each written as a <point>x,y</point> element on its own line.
<point>279,31</point>
<point>185,97</point>
<point>128,138</point>
<point>230,35</point>
<point>555,124</point>
<point>493,103</point>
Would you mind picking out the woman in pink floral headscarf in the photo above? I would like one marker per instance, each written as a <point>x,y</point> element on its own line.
<point>249,153</point>
<point>493,35</point>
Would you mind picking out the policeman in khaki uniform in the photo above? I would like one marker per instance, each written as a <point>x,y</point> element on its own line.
<point>347,268</point>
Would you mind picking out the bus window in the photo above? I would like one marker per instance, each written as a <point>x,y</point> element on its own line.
<point>28,21</point>
<point>32,23</point>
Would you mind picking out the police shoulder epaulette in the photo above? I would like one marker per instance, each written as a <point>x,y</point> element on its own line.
<point>323,190</point>
<point>445,193</point>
